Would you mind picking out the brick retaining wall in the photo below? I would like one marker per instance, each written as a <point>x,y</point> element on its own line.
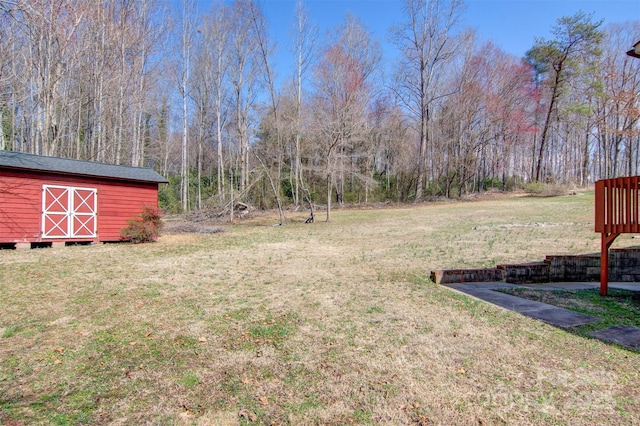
<point>457,276</point>
<point>526,273</point>
<point>624,266</point>
<point>584,267</point>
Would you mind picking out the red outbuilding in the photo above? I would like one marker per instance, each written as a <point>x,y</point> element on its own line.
<point>48,201</point>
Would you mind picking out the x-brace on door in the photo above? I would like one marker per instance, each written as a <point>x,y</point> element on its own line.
<point>68,212</point>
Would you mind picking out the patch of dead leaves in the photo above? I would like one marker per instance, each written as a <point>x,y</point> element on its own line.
<point>248,415</point>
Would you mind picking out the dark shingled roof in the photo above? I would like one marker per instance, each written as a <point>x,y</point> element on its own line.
<point>18,160</point>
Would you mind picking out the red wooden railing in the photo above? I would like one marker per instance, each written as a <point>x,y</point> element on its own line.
<point>616,213</point>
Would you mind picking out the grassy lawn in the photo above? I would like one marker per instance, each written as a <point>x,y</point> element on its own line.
<point>332,323</point>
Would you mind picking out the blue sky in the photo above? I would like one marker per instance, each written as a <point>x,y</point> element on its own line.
<point>511,24</point>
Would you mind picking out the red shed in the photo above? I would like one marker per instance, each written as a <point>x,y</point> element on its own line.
<point>51,201</point>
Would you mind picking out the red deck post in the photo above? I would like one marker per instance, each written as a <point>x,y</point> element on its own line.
<point>606,241</point>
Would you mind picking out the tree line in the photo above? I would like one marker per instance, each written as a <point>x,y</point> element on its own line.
<point>196,95</point>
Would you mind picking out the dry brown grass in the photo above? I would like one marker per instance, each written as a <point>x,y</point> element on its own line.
<point>306,324</point>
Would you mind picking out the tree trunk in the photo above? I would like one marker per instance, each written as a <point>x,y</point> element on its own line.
<point>329,191</point>
<point>547,122</point>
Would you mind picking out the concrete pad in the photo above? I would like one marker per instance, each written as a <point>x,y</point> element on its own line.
<point>508,301</point>
<point>550,314</point>
<point>481,286</point>
<point>624,286</point>
<point>560,317</point>
<point>624,335</point>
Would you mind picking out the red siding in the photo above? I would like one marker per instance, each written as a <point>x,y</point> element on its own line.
<point>21,203</point>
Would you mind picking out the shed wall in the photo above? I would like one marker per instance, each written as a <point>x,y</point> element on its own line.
<point>21,204</point>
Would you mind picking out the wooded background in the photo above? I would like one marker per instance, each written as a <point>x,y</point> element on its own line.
<point>194,94</point>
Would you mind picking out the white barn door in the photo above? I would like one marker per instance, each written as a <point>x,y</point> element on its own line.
<point>68,212</point>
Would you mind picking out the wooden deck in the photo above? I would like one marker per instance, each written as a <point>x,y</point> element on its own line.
<point>616,212</point>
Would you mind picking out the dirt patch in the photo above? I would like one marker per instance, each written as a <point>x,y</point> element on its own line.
<point>184,227</point>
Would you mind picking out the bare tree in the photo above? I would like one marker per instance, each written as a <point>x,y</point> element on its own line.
<point>81,87</point>
<point>7,74</point>
<point>146,35</point>
<point>244,60</point>
<point>342,79</point>
<point>425,42</point>
<point>616,111</point>
<point>201,93</point>
<point>124,13</point>
<point>266,48</point>
<point>219,40</point>
<point>187,39</point>
<point>48,29</point>
<point>484,121</point>
<point>304,34</point>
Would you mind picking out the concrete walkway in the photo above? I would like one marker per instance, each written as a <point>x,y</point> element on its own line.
<point>559,317</point>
